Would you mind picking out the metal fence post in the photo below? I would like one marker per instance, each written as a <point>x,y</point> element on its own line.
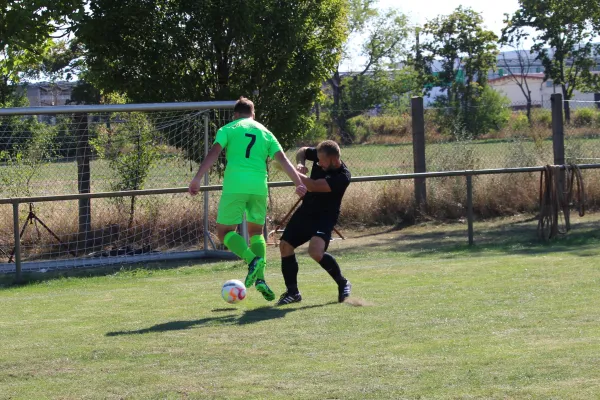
<point>470,208</point>
<point>206,180</point>
<point>418,133</point>
<point>17,242</point>
<point>245,230</point>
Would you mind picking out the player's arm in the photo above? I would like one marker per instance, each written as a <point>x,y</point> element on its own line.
<point>301,160</point>
<point>208,162</point>
<point>291,172</point>
<point>315,185</point>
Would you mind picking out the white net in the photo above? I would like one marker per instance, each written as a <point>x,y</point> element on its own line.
<point>105,152</point>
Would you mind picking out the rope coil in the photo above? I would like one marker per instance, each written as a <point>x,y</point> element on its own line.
<point>556,197</point>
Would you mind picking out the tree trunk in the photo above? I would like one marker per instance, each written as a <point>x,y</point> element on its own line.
<point>567,105</point>
<point>4,91</point>
<point>80,123</point>
<point>335,82</point>
<point>131,213</point>
<point>529,108</point>
<point>338,115</point>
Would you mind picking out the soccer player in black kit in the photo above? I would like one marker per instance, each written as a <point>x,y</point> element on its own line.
<point>315,219</point>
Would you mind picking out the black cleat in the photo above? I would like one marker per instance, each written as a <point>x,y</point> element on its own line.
<point>289,299</point>
<point>344,291</point>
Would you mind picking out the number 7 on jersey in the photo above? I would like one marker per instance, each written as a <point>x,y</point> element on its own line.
<point>252,141</point>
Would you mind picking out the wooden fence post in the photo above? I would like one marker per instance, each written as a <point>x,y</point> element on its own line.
<point>418,132</point>
<point>558,129</point>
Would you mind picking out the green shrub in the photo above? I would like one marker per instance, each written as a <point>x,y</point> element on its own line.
<point>363,127</point>
<point>519,123</point>
<point>584,117</point>
<point>316,134</point>
<point>541,116</point>
<point>490,112</point>
<point>391,125</point>
<point>597,119</point>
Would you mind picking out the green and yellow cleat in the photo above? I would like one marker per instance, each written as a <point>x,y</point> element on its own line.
<point>265,290</point>
<point>254,267</point>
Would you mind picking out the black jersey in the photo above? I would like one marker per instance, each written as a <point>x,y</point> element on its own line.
<point>326,204</point>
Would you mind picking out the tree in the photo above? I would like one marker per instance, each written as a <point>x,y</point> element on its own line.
<point>62,60</point>
<point>563,40</point>
<point>378,88</point>
<point>131,151</point>
<point>26,29</point>
<point>359,12</point>
<point>385,43</point>
<point>467,51</point>
<point>524,62</point>
<point>24,161</point>
<point>277,53</point>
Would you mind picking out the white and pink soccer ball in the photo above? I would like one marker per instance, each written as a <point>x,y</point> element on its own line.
<point>233,291</point>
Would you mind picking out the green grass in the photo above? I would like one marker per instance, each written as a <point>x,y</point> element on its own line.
<point>510,318</point>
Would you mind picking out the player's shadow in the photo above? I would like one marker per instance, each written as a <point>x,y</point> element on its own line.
<point>177,325</point>
<point>268,313</point>
<point>248,317</point>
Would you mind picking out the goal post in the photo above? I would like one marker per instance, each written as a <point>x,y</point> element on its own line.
<point>109,149</point>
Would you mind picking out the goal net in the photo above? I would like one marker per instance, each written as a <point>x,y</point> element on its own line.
<point>107,151</point>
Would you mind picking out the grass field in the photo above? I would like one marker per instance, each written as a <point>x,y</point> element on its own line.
<point>508,319</point>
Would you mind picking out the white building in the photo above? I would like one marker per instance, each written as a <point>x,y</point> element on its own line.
<point>540,90</point>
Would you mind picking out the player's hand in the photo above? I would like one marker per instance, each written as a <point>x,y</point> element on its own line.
<point>302,169</point>
<point>194,187</point>
<point>301,190</point>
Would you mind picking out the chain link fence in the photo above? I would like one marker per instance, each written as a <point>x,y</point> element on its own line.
<point>582,134</point>
<point>111,151</point>
<point>504,138</point>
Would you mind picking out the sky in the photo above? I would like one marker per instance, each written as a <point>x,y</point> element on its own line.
<point>419,12</point>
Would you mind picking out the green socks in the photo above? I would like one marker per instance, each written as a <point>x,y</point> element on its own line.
<point>259,247</point>
<point>237,244</point>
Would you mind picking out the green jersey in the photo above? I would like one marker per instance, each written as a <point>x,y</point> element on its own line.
<point>248,144</point>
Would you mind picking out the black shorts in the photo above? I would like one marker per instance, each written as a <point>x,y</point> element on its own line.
<point>304,225</point>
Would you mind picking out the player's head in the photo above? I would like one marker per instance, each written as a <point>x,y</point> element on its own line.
<point>243,108</point>
<point>329,154</point>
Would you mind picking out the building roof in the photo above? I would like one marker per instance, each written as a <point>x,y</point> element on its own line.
<point>508,77</point>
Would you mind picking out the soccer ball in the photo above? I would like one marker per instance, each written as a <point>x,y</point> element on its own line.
<point>233,291</point>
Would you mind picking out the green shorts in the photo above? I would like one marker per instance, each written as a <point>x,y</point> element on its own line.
<point>233,205</point>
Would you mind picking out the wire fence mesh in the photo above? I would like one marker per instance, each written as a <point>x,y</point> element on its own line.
<point>41,155</point>
<point>506,138</point>
<point>163,224</point>
<point>582,134</point>
<point>46,155</point>
<point>66,154</point>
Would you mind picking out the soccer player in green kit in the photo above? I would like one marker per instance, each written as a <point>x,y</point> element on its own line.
<point>248,144</point>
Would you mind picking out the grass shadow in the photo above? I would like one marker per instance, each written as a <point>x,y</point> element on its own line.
<point>265,313</point>
<point>270,312</point>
